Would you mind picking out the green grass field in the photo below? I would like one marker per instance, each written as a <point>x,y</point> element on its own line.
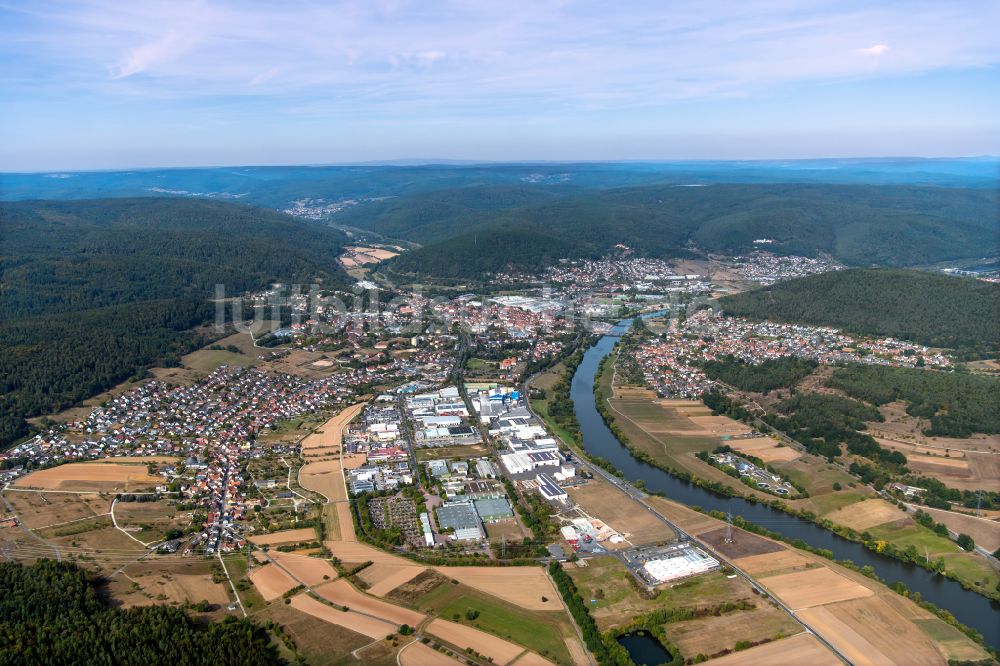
<point>475,365</point>
<point>207,360</point>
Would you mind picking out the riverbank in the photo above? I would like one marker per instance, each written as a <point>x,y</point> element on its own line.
<point>861,616</point>
<point>877,525</point>
<point>969,608</point>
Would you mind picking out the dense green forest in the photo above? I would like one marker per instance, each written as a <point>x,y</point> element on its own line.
<point>72,256</point>
<point>823,422</point>
<point>957,404</point>
<point>51,614</point>
<point>763,377</point>
<point>94,292</point>
<point>891,225</point>
<point>929,308</point>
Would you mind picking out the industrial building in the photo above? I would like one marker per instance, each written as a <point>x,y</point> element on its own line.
<point>461,517</point>
<point>550,490</point>
<point>491,509</point>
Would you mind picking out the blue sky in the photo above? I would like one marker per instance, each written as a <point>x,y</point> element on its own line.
<point>95,84</point>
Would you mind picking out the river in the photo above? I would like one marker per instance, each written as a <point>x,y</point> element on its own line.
<point>968,607</point>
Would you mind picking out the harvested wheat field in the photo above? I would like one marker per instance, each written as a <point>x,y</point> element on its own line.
<point>720,425</point>
<point>872,631</point>
<point>330,434</point>
<point>285,536</point>
<point>785,561</point>
<point>354,551</point>
<point>91,477</point>
<point>685,407</point>
<point>634,392</point>
<point>985,532</point>
<point>464,637</point>
<point>799,649</point>
<point>353,460</point>
<point>271,581</point>
<point>814,587</point>
<point>383,578</point>
<point>343,593</point>
<point>765,448</point>
<point>532,659</point>
<point>576,652</point>
<point>309,570</point>
<point>418,654</point>
<point>362,624</point>
<point>521,586</point>
<point>324,478</point>
<point>866,514</point>
<point>690,520</point>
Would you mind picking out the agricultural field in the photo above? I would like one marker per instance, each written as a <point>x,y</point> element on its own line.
<point>964,469</point>
<point>984,531</point>
<point>832,595</point>
<point>799,649</point>
<point>284,537</point>
<point>510,612</point>
<point>321,643</point>
<point>97,476</point>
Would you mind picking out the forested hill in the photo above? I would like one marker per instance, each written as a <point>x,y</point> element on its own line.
<point>51,614</point>
<point>929,308</point>
<point>857,224</point>
<point>64,256</point>
<point>95,291</point>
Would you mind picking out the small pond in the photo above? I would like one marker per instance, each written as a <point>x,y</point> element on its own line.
<point>645,649</point>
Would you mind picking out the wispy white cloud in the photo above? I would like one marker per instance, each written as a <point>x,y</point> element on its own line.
<point>876,51</point>
<point>557,51</point>
<point>169,47</point>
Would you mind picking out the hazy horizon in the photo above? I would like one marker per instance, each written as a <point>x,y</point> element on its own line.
<point>448,162</point>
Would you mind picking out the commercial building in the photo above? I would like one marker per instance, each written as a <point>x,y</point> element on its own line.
<point>462,518</point>
<point>493,509</point>
<point>550,490</point>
